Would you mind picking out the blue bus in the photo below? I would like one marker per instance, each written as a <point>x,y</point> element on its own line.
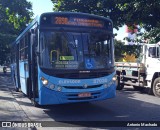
<point>65,57</point>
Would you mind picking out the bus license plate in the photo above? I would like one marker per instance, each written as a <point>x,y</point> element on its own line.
<point>84,95</point>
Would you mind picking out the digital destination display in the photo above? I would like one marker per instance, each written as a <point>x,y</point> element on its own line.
<point>78,21</point>
<point>75,20</point>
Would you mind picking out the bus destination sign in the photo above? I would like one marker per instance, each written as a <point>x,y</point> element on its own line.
<point>78,22</point>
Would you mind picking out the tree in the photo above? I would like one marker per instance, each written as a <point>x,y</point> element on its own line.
<point>14,15</point>
<point>145,13</point>
<point>104,8</point>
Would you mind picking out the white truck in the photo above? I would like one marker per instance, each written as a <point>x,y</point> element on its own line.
<point>144,72</point>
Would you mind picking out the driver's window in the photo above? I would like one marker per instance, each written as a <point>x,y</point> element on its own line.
<point>42,47</point>
<point>152,53</point>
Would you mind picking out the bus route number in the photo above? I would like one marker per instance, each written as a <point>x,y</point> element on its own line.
<point>61,20</point>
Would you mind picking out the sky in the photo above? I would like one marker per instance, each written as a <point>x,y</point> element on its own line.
<point>41,6</point>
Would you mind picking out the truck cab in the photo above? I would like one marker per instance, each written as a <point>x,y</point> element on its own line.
<point>141,71</point>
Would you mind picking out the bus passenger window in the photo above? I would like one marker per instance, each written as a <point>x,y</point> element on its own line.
<point>22,56</point>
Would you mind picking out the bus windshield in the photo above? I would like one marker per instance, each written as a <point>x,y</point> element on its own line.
<point>70,50</point>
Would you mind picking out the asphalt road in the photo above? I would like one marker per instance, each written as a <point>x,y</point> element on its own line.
<point>129,105</point>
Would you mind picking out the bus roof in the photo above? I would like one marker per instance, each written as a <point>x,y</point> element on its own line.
<point>77,13</point>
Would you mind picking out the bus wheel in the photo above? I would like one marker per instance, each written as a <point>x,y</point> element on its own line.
<point>156,87</point>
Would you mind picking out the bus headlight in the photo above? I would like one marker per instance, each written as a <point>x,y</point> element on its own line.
<point>114,78</point>
<point>44,81</point>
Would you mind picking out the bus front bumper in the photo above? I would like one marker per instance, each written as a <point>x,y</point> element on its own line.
<point>48,96</point>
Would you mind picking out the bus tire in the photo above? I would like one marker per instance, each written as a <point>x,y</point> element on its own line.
<point>156,87</point>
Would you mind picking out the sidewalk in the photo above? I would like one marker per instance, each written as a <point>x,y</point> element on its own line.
<point>10,110</point>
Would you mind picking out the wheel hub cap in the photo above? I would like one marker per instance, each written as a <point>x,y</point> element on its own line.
<point>158,88</point>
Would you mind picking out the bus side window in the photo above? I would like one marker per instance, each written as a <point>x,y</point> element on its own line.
<point>26,47</point>
<point>22,53</point>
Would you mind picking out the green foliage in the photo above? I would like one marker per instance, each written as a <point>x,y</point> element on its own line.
<point>14,15</point>
<point>145,13</point>
<point>118,50</point>
<point>121,49</point>
<point>104,8</point>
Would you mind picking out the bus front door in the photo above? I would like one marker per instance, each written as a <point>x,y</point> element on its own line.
<point>24,76</point>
